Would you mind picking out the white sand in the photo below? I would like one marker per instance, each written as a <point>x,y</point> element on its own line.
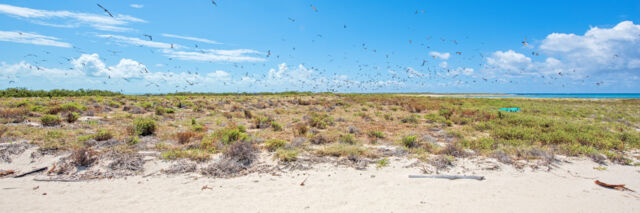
<point>337,189</point>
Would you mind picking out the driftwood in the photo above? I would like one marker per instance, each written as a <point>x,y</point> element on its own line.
<point>450,177</point>
<point>620,187</point>
<point>32,172</point>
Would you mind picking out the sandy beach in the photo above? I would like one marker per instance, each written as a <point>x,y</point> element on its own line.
<point>567,187</point>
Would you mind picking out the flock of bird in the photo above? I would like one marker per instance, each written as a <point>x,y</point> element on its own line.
<point>424,72</point>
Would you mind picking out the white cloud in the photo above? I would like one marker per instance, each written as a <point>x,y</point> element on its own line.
<point>616,48</point>
<point>442,56</point>
<point>218,74</point>
<point>600,51</point>
<point>31,38</point>
<point>203,40</point>
<point>138,6</point>
<point>126,68</point>
<point>510,61</point>
<point>24,69</point>
<point>71,19</point>
<point>141,42</point>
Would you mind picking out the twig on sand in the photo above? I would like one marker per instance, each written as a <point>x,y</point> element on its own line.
<point>302,184</point>
<point>6,172</point>
<point>205,187</point>
<point>32,172</point>
<point>620,187</point>
<point>450,177</point>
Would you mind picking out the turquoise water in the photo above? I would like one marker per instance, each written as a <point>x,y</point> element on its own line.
<point>561,95</point>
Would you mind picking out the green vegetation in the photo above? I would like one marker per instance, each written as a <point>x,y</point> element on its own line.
<point>320,121</point>
<point>410,141</point>
<point>376,134</point>
<point>286,155</point>
<point>195,126</point>
<point>144,126</point>
<point>273,144</point>
<point>50,120</point>
<point>193,154</point>
<point>344,150</point>
<point>102,135</point>
<point>19,92</point>
<point>382,163</point>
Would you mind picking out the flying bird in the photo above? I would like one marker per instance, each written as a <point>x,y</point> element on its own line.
<point>314,8</point>
<point>105,10</point>
<point>524,42</point>
<point>214,3</point>
<point>148,36</point>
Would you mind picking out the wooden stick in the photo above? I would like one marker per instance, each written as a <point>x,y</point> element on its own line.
<point>620,187</point>
<point>32,172</point>
<point>450,177</point>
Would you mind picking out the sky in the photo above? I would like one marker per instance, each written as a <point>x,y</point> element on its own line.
<point>321,46</point>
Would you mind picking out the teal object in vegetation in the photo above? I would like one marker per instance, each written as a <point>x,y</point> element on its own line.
<point>515,109</point>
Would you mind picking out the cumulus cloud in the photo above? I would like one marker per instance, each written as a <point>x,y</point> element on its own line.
<point>510,61</point>
<point>71,19</point>
<point>203,40</point>
<point>32,38</point>
<point>438,55</point>
<point>24,69</point>
<point>616,48</point>
<point>92,64</point>
<point>600,51</point>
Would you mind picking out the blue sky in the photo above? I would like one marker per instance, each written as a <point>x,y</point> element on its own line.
<point>344,46</point>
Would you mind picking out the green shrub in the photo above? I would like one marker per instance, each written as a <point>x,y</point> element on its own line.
<point>50,120</point>
<point>286,155</point>
<point>160,110</point>
<point>72,107</point>
<point>321,121</point>
<point>102,135</point>
<point>376,134</point>
<point>348,139</point>
<point>343,150</point>
<point>410,119</point>
<point>382,163</point>
<point>71,117</point>
<point>276,126</point>
<point>134,140</point>
<point>193,154</point>
<point>410,141</point>
<point>114,104</point>
<point>144,126</point>
<point>146,105</point>
<point>273,144</point>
